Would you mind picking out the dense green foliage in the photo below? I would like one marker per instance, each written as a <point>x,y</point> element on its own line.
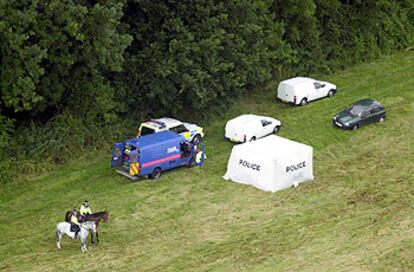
<point>57,54</point>
<point>99,61</point>
<point>352,31</point>
<point>356,215</point>
<point>190,55</point>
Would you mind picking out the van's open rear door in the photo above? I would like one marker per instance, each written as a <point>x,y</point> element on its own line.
<point>117,154</point>
<point>130,167</point>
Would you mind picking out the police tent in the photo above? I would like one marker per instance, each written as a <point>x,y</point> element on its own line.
<point>271,164</point>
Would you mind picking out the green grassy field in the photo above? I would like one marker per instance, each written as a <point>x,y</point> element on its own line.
<point>356,215</point>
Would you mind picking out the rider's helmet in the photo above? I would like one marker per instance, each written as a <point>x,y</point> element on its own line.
<point>74,210</point>
<point>85,203</point>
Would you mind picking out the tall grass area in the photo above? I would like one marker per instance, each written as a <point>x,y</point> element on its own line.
<point>356,215</point>
<point>36,149</point>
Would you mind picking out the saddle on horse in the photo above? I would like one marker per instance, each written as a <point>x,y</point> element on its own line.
<point>74,228</point>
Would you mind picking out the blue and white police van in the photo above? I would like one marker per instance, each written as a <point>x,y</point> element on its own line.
<point>149,155</point>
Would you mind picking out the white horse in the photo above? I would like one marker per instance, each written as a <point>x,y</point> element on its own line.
<point>64,228</point>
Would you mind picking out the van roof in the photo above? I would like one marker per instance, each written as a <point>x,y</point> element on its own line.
<point>296,80</point>
<point>246,119</point>
<point>155,139</point>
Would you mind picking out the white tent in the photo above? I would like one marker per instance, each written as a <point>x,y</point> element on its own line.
<point>271,164</point>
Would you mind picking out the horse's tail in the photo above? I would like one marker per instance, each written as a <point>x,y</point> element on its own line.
<point>67,217</point>
<point>57,234</point>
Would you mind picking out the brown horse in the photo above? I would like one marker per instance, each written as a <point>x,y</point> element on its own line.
<point>95,217</point>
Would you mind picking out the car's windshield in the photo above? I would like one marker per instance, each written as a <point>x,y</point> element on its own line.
<point>356,110</point>
<point>146,131</point>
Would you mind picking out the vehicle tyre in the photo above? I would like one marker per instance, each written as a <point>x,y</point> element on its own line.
<point>382,119</point>
<point>191,163</point>
<point>331,93</point>
<point>196,139</point>
<point>156,173</point>
<point>355,127</point>
<point>253,139</point>
<point>276,129</point>
<point>304,101</point>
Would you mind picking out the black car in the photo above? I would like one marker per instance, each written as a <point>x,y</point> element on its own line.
<point>360,113</point>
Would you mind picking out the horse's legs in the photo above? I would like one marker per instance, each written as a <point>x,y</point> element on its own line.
<point>83,244</point>
<point>96,231</point>
<point>58,237</point>
<point>92,241</point>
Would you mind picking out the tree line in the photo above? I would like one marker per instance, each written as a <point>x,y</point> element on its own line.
<point>86,63</point>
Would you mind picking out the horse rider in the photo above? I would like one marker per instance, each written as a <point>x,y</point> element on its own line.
<point>75,222</point>
<point>85,209</point>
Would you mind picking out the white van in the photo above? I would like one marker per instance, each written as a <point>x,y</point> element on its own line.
<point>249,127</point>
<point>301,90</point>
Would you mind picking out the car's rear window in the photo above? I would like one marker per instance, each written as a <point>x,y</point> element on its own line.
<point>146,131</point>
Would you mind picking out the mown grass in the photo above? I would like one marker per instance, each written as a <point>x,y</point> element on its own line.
<point>357,215</point>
